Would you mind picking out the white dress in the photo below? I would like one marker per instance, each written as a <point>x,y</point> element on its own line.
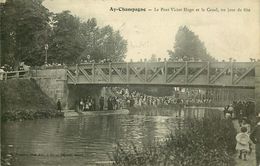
<point>242,141</point>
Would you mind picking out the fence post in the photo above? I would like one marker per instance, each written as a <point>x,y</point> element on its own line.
<point>17,74</point>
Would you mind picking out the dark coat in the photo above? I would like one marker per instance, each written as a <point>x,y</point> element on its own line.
<point>255,137</point>
<point>59,105</point>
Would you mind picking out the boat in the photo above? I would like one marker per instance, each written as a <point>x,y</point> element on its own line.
<point>71,113</point>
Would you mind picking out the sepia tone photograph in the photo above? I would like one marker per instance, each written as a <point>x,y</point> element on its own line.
<point>130,83</point>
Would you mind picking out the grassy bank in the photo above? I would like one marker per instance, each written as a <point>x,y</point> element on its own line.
<point>22,99</point>
<point>209,141</point>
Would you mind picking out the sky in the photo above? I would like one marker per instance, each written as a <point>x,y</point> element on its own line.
<point>225,34</point>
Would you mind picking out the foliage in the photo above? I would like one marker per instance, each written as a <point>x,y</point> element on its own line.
<point>209,141</point>
<point>27,26</point>
<point>65,45</point>
<point>188,47</point>
<point>24,114</point>
<point>102,42</point>
<point>23,30</point>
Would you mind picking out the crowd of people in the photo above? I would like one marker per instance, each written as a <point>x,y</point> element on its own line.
<point>9,70</point>
<point>124,98</point>
<point>239,110</point>
<point>21,67</point>
<point>87,104</point>
<point>134,99</point>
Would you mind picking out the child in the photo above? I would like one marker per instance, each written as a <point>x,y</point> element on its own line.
<point>242,142</point>
<point>248,127</point>
<point>246,124</point>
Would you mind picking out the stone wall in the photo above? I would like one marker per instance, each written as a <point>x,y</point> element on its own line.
<point>257,87</point>
<point>53,82</point>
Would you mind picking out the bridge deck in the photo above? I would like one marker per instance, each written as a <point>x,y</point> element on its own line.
<point>230,74</point>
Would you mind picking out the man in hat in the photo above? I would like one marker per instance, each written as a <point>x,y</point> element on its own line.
<point>255,137</point>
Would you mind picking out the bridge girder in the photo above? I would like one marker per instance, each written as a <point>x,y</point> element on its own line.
<point>219,74</point>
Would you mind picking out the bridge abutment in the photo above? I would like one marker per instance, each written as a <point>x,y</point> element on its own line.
<point>53,82</point>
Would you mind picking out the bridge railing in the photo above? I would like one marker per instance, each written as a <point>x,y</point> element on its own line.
<point>171,73</point>
<point>15,74</point>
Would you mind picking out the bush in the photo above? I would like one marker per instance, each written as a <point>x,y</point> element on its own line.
<point>204,142</point>
<point>26,114</point>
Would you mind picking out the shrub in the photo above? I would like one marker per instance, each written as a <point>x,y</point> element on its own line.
<point>26,114</point>
<point>208,141</point>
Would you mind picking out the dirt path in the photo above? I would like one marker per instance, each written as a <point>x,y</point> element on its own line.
<point>251,160</point>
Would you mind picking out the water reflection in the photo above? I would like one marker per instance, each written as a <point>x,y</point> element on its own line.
<point>85,140</point>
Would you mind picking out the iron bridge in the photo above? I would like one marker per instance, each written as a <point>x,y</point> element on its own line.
<point>217,74</point>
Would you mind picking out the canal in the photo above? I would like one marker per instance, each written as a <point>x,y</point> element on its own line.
<point>85,140</point>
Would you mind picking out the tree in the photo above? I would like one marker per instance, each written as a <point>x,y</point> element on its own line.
<point>102,43</point>
<point>89,36</point>
<point>26,26</point>
<point>111,44</point>
<point>188,47</point>
<point>73,40</point>
<point>65,43</point>
<point>23,31</point>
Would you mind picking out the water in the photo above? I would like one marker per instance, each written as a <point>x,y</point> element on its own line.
<point>84,140</point>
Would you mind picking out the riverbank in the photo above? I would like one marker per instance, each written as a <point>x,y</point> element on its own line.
<point>204,142</point>
<point>23,100</point>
